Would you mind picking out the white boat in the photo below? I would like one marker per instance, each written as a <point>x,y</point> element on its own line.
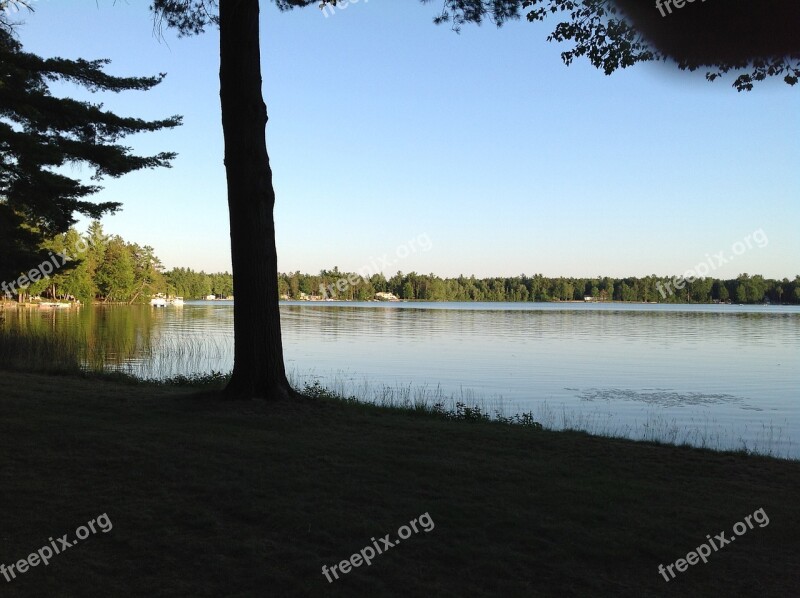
<point>158,302</point>
<point>178,301</point>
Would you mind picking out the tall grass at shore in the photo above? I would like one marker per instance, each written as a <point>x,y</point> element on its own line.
<point>40,352</point>
<point>68,351</point>
<point>767,440</point>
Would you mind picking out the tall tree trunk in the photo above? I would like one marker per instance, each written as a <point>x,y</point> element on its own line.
<point>258,370</point>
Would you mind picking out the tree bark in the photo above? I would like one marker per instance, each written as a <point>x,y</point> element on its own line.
<point>258,370</point>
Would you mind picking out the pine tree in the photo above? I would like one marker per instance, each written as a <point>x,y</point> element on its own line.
<point>40,132</point>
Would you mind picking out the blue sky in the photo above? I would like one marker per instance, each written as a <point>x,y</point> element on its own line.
<point>385,128</point>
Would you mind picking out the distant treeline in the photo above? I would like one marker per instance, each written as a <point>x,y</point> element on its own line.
<point>99,267</point>
<point>429,287</point>
<point>186,283</point>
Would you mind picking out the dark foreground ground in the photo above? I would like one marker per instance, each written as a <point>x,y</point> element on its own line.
<point>252,499</point>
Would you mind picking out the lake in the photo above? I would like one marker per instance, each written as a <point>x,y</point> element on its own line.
<point>723,376</point>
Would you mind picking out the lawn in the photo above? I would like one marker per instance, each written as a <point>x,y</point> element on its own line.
<point>209,498</point>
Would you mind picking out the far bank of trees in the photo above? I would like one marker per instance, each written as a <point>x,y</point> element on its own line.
<point>187,283</point>
<point>429,287</point>
<point>107,269</point>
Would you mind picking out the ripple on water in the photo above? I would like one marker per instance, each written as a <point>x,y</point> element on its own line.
<point>663,397</point>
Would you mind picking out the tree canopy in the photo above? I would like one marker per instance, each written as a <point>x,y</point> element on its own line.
<point>752,40</point>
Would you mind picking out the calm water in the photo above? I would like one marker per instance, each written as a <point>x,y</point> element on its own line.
<point>723,376</point>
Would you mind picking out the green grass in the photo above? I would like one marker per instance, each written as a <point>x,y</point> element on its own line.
<point>250,498</point>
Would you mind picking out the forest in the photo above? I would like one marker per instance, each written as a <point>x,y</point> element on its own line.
<point>102,268</point>
<point>430,287</point>
<point>107,269</point>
